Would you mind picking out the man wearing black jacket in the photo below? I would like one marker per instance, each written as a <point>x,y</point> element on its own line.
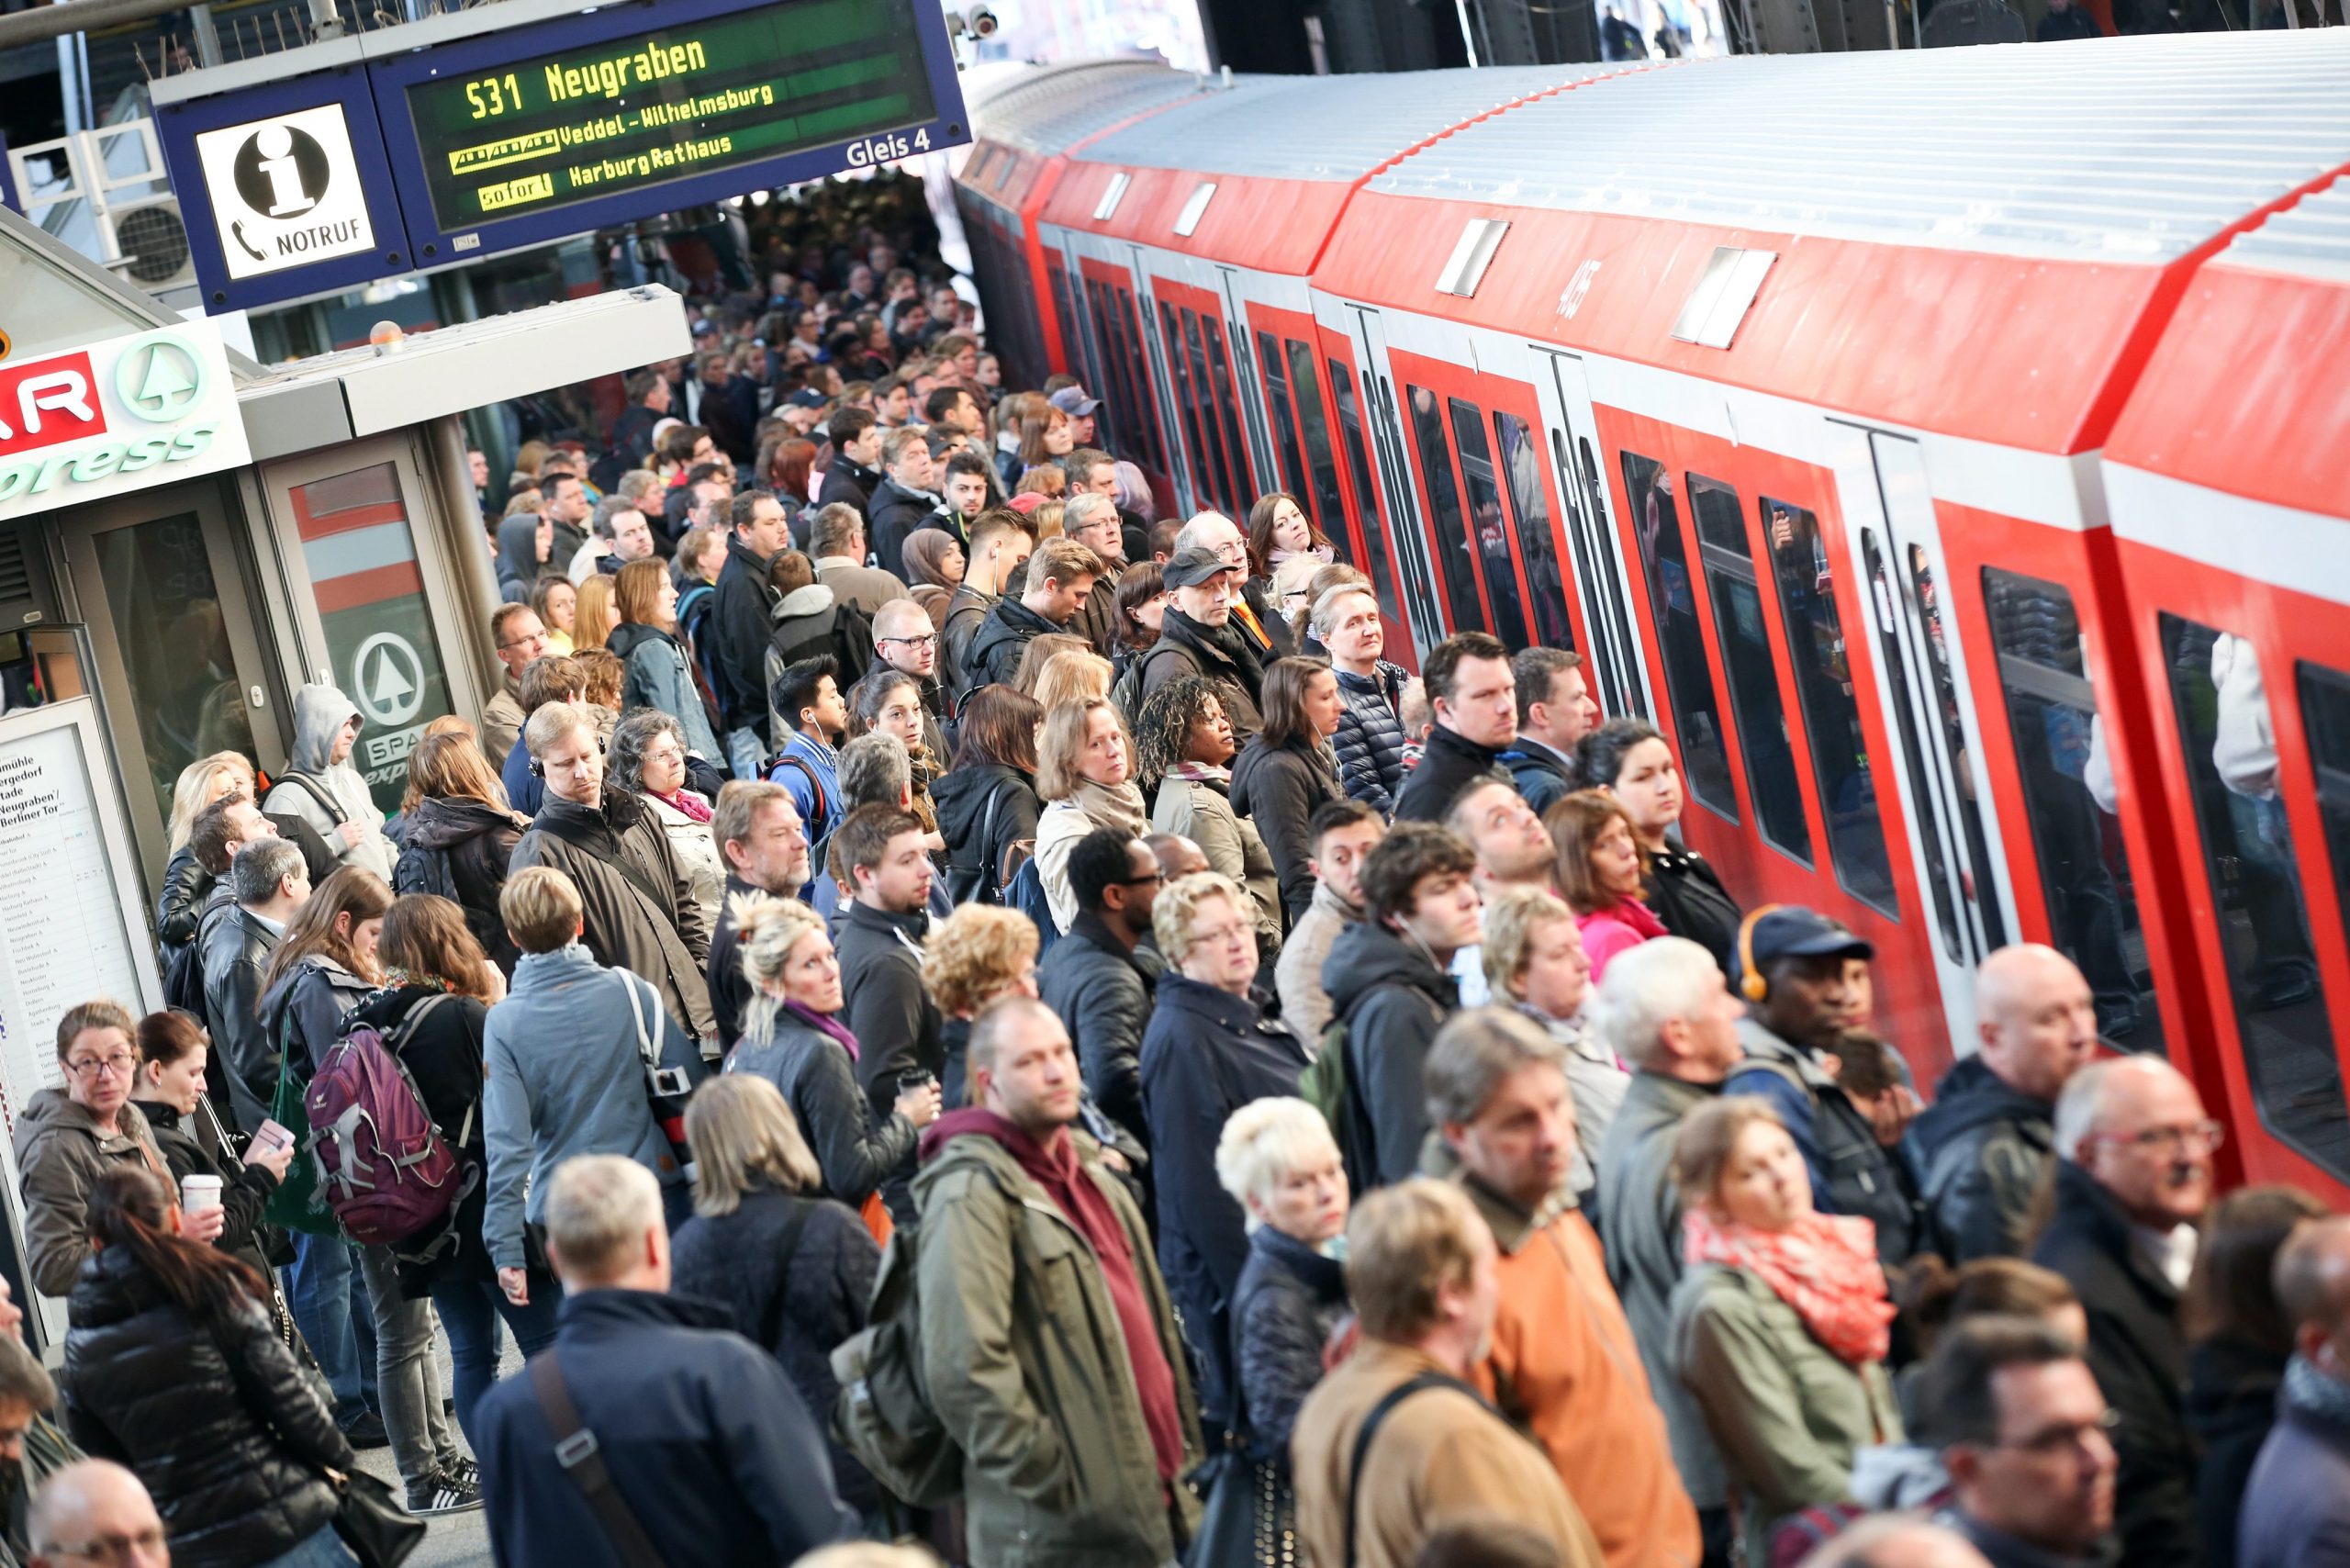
<point>765,848</point>
<point>855,436</point>
<point>2135,1175</point>
<point>742,618</point>
<point>905,500</point>
<point>1061,580</point>
<point>699,1432</point>
<point>1474,697</point>
<point>1101,977</point>
<point>880,850</point>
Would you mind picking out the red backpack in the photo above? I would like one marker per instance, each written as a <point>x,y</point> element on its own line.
<point>384,1167</point>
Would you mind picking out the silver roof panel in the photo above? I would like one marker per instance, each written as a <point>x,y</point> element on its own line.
<point>2311,238</point>
<point>1321,127</point>
<point>2134,150</point>
<point>1064,103</point>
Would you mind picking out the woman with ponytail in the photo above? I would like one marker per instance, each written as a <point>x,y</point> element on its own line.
<point>791,1038</point>
<point>173,1369</point>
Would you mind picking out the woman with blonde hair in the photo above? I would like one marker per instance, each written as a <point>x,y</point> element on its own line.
<point>974,955</point>
<point>658,674</point>
<point>1072,675</point>
<point>595,615</point>
<point>1534,961</point>
<point>791,1038</point>
<point>461,838</point>
<point>1042,650</point>
<point>796,1267</point>
<point>180,909</point>
<point>556,601</point>
<point>1085,765</point>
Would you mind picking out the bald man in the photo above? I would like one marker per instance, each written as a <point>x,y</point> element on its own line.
<point>1894,1541</point>
<point>2134,1148</point>
<point>904,639</point>
<point>2296,1509</point>
<point>1985,1143</point>
<point>95,1503</point>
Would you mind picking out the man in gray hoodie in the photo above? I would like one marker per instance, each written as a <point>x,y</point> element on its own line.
<point>323,789</point>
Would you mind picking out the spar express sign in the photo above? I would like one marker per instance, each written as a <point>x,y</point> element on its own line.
<point>116,415</point>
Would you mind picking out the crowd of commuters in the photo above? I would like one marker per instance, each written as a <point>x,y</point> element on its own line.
<point>952,1009</point>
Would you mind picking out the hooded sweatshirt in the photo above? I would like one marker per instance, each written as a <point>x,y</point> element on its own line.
<point>1393,997</point>
<point>1081,1203</point>
<point>319,713</point>
<point>1983,1148</point>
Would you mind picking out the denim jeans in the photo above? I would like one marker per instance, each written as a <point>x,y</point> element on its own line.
<point>745,753</point>
<point>470,1310</point>
<point>331,1309</point>
<point>324,1549</point>
<point>405,1372</point>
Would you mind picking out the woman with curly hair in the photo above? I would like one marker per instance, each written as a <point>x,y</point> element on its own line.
<point>977,953</point>
<point>1184,745</point>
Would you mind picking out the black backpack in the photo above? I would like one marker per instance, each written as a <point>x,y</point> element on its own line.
<point>883,1415</point>
<point>422,870</point>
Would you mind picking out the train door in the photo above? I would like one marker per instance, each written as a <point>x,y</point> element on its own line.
<point>1191,327</point>
<point>2250,687</point>
<point>1305,458</point>
<point>1127,383</point>
<point>1477,438</point>
<point>1922,689</point>
<point>1383,419</point>
<point>2028,626</point>
<point>1247,372</point>
<point>1346,426</point>
<point>1619,677</point>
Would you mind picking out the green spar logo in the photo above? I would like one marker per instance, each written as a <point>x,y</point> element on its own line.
<point>159,378</point>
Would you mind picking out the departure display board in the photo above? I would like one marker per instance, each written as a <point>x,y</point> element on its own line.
<point>550,131</point>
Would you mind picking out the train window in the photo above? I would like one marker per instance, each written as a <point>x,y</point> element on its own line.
<point>1187,400</point>
<point>1227,394</point>
<point>1770,775</point>
<point>2325,714</point>
<point>1595,564</point>
<point>1849,806</point>
<point>1276,373</point>
<point>1453,565</point>
<point>1609,662</point>
<point>1688,680</point>
<point>2225,732</point>
<point>1383,574</point>
<point>1521,471</point>
<point>1215,463</point>
<point>2052,714</point>
<point>1970,814</point>
<point>1134,357</point>
<point>1065,312</point>
<point>1321,466</point>
<point>1485,513</point>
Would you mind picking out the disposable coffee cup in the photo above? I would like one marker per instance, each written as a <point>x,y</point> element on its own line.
<point>198,1192</point>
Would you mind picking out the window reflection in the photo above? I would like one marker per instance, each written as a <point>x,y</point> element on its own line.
<point>1762,737</point>
<point>1448,528</point>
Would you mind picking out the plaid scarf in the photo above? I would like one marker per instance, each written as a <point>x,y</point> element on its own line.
<point>1825,1268</point>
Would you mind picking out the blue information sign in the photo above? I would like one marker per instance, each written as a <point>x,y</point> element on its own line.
<point>423,145</point>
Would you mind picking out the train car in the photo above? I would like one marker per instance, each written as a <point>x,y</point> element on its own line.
<point>1776,386</point>
<point>2228,478</point>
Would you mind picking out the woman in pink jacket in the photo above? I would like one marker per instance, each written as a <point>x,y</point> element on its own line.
<point>1600,866</point>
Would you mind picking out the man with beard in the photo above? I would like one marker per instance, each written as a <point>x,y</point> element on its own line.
<point>759,835</point>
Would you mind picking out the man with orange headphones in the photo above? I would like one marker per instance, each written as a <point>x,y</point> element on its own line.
<point>1802,996</point>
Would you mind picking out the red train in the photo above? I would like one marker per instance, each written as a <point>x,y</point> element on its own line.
<point>1949,451</point>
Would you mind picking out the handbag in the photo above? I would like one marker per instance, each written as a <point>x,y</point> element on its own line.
<point>380,1533</point>
<point>297,1204</point>
<point>1250,1518</point>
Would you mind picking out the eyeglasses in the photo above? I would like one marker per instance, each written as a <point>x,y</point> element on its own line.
<point>926,640</point>
<point>116,1065</point>
<point>524,641</point>
<point>1222,933</point>
<point>2055,1440</point>
<point>1155,877</point>
<point>2201,1136</point>
<point>138,1546</point>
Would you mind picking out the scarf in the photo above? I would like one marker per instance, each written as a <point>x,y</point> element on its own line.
<point>686,803</point>
<point>1121,808</point>
<point>2314,1394</point>
<point>925,556</point>
<point>1319,555</point>
<point>1640,917</point>
<point>1201,773</point>
<point>1227,642</point>
<point>1825,1268</point>
<point>824,1024</point>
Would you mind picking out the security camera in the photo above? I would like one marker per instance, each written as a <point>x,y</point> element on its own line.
<point>981,23</point>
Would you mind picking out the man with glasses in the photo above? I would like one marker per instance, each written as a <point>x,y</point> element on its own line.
<point>904,639</point>
<point>2134,1146</point>
<point>516,631</point>
<point>2027,1439</point>
<point>95,1512</point>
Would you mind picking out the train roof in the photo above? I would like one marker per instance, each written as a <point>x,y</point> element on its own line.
<point>1321,128</point>
<point>1060,104</point>
<point>2137,149</point>
<point>2309,239</point>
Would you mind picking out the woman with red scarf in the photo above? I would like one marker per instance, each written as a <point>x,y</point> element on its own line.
<point>1780,1325</point>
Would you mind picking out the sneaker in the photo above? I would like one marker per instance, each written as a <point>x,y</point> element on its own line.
<point>459,1468</point>
<point>367,1432</point>
<point>440,1493</point>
